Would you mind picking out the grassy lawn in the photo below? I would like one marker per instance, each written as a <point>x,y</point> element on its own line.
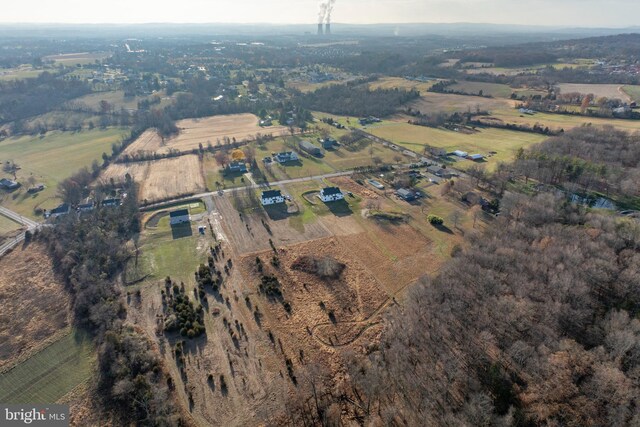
<point>562,121</point>
<point>7,225</point>
<point>50,159</point>
<point>170,252</point>
<point>50,374</point>
<point>504,142</point>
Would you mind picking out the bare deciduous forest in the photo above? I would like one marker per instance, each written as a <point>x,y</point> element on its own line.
<point>535,323</point>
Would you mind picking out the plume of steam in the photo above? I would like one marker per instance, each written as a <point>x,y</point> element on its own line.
<point>324,11</point>
<point>330,4</point>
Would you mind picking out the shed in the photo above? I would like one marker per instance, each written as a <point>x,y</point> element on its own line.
<point>476,157</point>
<point>460,153</point>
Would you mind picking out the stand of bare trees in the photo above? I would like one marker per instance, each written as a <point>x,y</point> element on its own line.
<point>536,323</point>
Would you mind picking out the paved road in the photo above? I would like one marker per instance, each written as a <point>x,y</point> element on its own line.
<point>12,243</point>
<point>228,190</point>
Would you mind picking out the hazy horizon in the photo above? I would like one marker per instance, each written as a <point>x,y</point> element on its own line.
<point>558,13</point>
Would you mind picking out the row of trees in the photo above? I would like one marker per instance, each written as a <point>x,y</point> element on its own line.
<point>90,252</point>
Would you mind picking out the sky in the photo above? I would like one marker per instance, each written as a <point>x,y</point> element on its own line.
<point>570,13</point>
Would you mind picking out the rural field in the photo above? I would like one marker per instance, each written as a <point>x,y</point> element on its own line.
<point>210,130</point>
<point>431,102</point>
<point>51,373</point>
<point>7,74</point>
<point>28,319</point>
<point>495,90</point>
<point>328,318</point>
<point>50,159</point>
<point>161,179</point>
<point>72,59</point>
<point>41,357</point>
<point>115,98</point>
<point>400,83</point>
<point>559,121</point>
<point>503,142</point>
<point>598,90</point>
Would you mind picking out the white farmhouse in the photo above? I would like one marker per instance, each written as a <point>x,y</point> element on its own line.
<point>331,194</point>
<point>271,197</point>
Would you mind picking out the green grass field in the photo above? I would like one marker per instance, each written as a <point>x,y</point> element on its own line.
<point>504,142</point>
<point>162,255</point>
<point>632,91</point>
<point>18,74</point>
<point>562,121</point>
<point>7,225</point>
<point>50,374</point>
<point>50,159</point>
<point>400,83</point>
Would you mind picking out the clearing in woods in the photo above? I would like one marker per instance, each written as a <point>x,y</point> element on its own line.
<point>50,159</point>
<point>161,179</point>
<point>205,131</point>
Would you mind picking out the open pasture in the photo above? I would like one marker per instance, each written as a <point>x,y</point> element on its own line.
<point>82,58</point>
<point>504,142</point>
<point>27,287</point>
<point>51,373</point>
<point>50,159</point>
<point>598,90</point>
<point>161,179</point>
<point>205,131</point>
<point>400,83</point>
<point>559,121</point>
<point>431,102</point>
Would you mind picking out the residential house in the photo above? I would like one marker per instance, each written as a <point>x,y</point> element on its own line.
<point>406,194</point>
<point>271,197</point>
<point>179,217</point>
<point>86,206</point>
<point>236,167</point>
<point>331,194</point>
<point>286,156</point>
<point>437,170</point>
<point>63,209</point>
<point>8,184</point>
<point>111,203</point>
